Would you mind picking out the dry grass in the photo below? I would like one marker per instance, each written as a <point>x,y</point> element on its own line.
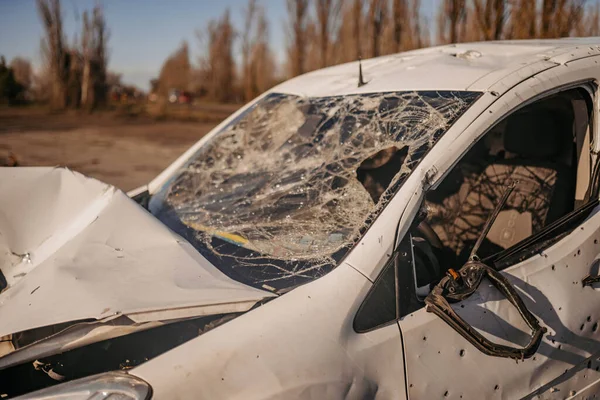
<point>126,147</point>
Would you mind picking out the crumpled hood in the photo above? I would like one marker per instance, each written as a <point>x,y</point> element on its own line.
<point>73,248</point>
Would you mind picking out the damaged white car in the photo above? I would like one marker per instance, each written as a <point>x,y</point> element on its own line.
<point>425,227</point>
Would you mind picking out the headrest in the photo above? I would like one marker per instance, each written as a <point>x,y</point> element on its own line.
<point>535,134</point>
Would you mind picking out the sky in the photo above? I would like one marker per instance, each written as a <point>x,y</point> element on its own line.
<point>143,33</point>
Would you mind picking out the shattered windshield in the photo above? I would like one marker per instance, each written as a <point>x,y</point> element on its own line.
<point>280,194</point>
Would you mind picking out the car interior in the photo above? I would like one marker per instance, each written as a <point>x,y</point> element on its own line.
<point>543,149</point>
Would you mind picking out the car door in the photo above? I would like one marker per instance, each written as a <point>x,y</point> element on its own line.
<point>548,271</point>
<point>441,363</point>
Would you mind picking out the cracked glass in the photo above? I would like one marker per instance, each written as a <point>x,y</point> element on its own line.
<point>280,194</point>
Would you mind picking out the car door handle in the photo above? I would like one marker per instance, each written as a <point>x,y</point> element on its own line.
<point>457,286</point>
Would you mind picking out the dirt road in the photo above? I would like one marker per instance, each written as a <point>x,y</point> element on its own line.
<point>124,152</point>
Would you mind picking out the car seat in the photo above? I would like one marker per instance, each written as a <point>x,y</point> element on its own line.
<point>534,145</point>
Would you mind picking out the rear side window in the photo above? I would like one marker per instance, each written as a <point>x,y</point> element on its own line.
<point>392,296</point>
<point>379,307</point>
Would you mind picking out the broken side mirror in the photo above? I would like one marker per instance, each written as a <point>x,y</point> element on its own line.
<point>459,285</point>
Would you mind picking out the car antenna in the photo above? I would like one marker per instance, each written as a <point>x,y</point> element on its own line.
<point>361,82</point>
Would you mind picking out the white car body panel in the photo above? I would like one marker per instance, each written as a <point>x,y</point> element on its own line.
<point>321,356</point>
<point>303,344</point>
<point>506,87</point>
<point>74,248</point>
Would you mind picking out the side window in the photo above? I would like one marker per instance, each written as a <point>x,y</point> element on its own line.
<point>544,150</point>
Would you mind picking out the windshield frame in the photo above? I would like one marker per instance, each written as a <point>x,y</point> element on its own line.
<point>338,257</point>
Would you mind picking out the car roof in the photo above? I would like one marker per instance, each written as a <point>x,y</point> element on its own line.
<point>466,66</point>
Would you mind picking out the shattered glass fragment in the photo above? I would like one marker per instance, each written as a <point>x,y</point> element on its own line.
<point>281,190</point>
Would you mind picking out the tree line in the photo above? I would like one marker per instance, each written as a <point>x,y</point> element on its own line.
<point>319,33</point>
<point>73,73</point>
<point>76,74</point>
<point>322,33</point>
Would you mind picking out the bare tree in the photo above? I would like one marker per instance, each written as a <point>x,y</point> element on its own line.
<point>312,58</point>
<point>451,21</point>
<point>490,16</point>
<point>421,39</point>
<point>357,13</point>
<point>86,38</point>
<point>347,42</point>
<point>327,15</point>
<point>99,57</point>
<point>247,45</point>
<point>216,73</point>
<point>54,50</point>
<point>377,13</point>
<point>523,17</point>
<point>22,71</point>
<point>263,63</point>
<point>560,17</point>
<point>258,63</point>
<point>590,23</point>
<point>404,27</point>
<point>400,20</point>
<point>298,16</point>
<point>174,74</point>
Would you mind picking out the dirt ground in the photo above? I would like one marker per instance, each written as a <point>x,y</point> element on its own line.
<point>123,151</point>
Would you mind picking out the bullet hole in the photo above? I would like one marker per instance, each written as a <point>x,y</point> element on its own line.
<point>424,338</point>
<point>462,353</point>
<point>553,268</point>
<point>446,393</point>
<point>462,306</point>
<point>567,266</point>
<point>589,318</point>
<point>559,308</point>
<point>496,387</point>
<point>579,252</point>
<point>581,327</point>
<point>411,385</point>
<point>534,359</point>
<point>595,241</point>
<point>595,327</point>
